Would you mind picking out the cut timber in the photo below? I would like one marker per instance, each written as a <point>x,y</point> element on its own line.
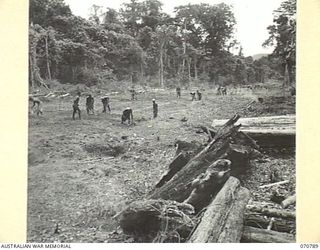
<point>232,231</point>
<point>217,222</point>
<point>179,188</point>
<point>257,235</point>
<point>288,201</point>
<point>262,221</point>
<point>274,124</point>
<point>147,217</point>
<point>273,212</point>
<point>272,131</point>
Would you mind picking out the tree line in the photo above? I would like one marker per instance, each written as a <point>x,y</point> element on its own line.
<point>140,43</point>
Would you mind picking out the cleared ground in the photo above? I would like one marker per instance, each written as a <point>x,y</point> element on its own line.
<point>82,172</point>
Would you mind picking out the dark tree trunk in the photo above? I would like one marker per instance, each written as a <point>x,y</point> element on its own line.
<point>179,188</point>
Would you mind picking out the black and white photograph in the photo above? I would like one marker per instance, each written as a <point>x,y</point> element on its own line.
<point>158,121</point>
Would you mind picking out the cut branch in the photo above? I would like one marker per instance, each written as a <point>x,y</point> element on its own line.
<point>275,184</point>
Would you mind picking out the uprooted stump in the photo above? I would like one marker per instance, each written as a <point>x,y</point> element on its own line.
<point>147,219</point>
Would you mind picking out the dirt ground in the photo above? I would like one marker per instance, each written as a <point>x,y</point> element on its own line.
<point>83,172</point>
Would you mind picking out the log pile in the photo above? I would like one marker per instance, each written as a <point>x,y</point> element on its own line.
<point>268,132</point>
<point>200,198</point>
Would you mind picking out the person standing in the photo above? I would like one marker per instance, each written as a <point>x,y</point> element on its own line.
<point>106,104</point>
<point>155,108</point>
<point>178,90</point>
<point>199,95</point>
<point>90,104</point>
<point>76,108</point>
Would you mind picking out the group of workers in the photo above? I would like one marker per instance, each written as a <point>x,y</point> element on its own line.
<point>193,94</point>
<point>90,105</point>
<point>127,114</point>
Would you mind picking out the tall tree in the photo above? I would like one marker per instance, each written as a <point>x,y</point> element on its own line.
<point>131,16</point>
<point>282,35</point>
<point>164,34</point>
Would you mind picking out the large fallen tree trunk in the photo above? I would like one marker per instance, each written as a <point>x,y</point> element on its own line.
<point>232,231</point>
<point>185,151</point>
<point>282,123</point>
<point>239,156</point>
<point>176,165</point>
<point>257,235</point>
<point>179,187</point>
<point>268,132</point>
<point>272,212</point>
<point>262,221</point>
<point>223,219</point>
<point>241,138</point>
<point>206,185</point>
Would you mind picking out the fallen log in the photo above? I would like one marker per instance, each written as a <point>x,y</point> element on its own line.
<point>205,185</point>
<point>184,152</point>
<point>232,231</point>
<point>241,138</point>
<point>288,201</point>
<point>257,235</point>
<point>179,187</point>
<point>146,218</point>
<point>176,165</point>
<point>282,124</point>
<point>261,221</point>
<point>272,212</point>
<point>267,139</point>
<point>268,132</point>
<point>218,215</point>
